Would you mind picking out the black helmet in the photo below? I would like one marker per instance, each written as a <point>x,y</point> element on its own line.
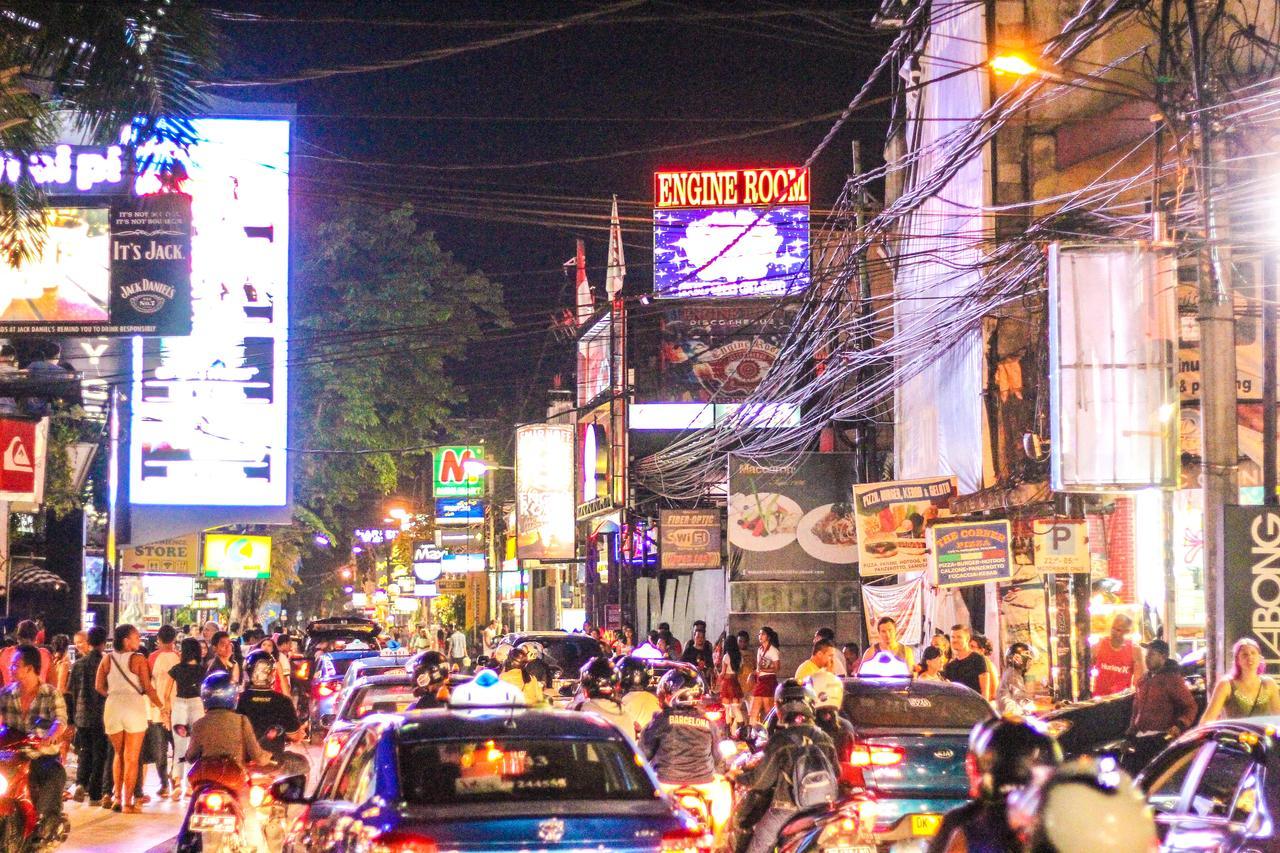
<point>680,688</point>
<point>634,673</point>
<point>218,691</point>
<point>260,668</point>
<point>1004,753</point>
<point>795,702</point>
<point>598,678</point>
<point>430,672</point>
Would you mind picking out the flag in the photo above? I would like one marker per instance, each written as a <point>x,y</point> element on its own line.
<point>586,300</point>
<point>616,269</point>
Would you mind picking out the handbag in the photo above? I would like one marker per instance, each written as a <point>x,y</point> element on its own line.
<point>127,676</point>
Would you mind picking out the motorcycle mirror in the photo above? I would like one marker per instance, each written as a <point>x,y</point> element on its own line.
<point>326,720</point>
<point>291,790</point>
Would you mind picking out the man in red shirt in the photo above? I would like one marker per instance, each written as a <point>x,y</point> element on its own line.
<point>1163,707</point>
<point>1117,663</point>
<point>26,636</point>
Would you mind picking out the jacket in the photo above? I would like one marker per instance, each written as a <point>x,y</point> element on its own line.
<point>1162,701</point>
<point>681,745</point>
<point>89,703</point>
<point>773,775</point>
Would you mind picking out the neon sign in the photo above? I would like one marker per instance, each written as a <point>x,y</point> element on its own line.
<point>731,188</point>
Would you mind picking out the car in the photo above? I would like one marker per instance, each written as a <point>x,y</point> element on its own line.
<point>323,635</point>
<point>384,663</point>
<point>375,694</point>
<point>1217,787</point>
<point>565,652</point>
<point>486,779</point>
<point>326,681</point>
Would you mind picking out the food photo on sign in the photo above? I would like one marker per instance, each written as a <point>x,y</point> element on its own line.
<point>790,517</point>
<point>891,519</point>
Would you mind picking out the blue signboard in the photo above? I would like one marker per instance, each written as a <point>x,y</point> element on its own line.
<point>968,553</point>
<point>731,251</point>
<point>459,511</point>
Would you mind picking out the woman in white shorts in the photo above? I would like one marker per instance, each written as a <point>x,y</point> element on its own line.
<point>125,679</point>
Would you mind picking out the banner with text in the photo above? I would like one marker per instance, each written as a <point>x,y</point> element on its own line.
<point>891,520</point>
<point>689,538</point>
<point>1252,538</point>
<point>970,552</point>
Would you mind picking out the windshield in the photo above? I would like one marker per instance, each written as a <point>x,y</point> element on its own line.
<point>386,699</point>
<point>443,772</point>
<point>899,709</point>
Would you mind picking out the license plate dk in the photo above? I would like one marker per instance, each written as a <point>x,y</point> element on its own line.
<point>925,824</point>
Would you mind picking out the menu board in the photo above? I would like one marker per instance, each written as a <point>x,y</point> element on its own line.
<point>891,520</point>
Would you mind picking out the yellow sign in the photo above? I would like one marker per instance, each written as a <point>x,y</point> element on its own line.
<point>925,824</point>
<point>179,556</point>
<point>230,555</point>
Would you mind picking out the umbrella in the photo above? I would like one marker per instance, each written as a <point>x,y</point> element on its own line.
<point>31,576</point>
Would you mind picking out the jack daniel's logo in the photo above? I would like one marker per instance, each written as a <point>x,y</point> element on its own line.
<point>147,296</point>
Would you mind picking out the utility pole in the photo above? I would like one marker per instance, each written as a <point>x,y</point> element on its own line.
<point>1217,354</point>
<point>864,430</point>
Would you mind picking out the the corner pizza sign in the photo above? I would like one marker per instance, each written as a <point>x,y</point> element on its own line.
<point>451,479</point>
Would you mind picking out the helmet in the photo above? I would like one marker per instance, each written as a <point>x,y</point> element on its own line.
<point>634,674</point>
<point>487,662</point>
<point>517,657</point>
<point>1089,804</point>
<point>828,689</point>
<point>795,702</point>
<point>486,690</point>
<point>260,667</point>
<point>598,678</point>
<point>219,691</point>
<point>680,688</point>
<point>532,649</point>
<point>430,671</point>
<point>1004,754</point>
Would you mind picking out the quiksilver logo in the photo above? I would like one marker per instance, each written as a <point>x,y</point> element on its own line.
<point>147,296</point>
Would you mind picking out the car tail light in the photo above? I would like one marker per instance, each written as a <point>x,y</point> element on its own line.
<point>870,755</point>
<point>681,841</point>
<point>333,744</point>
<point>326,688</point>
<point>399,841</point>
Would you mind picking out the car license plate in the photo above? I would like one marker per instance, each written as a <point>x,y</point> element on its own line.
<point>213,823</point>
<point>925,824</point>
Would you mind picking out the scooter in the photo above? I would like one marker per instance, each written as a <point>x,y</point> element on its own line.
<point>231,809</point>
<point>18,818</point>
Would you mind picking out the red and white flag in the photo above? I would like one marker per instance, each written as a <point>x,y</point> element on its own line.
<point>616,268</point>
<point>586,300</point>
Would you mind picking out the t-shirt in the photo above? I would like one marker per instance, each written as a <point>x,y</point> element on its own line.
<point>770,654</point>
<point>267,708</point>
<point>187,678</point>
<point>806,669</point>
<point>457,645</point>
<point>966,671</point>
<point>161,662</point>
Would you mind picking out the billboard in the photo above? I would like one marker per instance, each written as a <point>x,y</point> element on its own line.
<point>179,556</point>
<point>595,360</point>
<point>544,492</point>
<point>230,555</point>
<point>892,518</point>
<point>790,518</point>
<point>209,422</point>
<point>720,351</point>
<point>689,538</point>
<point>169,590</point>
<point>736,232</point>
<point>451,479</point>
<point>1252,579</point>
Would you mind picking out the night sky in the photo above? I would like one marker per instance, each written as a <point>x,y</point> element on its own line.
<point>663,76</point>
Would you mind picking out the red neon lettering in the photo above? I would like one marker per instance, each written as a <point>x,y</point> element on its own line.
<point>451,470</point>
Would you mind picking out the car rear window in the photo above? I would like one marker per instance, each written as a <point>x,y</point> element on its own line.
<point>911,710</point>
<point>572,653</point>
<point>387,699</point>
<point>490,771</point>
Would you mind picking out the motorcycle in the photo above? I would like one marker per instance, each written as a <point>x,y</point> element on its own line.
<point>232,809</point>
<point>18,818</point>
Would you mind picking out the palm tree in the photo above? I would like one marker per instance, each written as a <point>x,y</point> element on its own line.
<point>98,67</point>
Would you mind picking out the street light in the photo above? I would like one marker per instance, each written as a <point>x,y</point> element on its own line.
<point>477,468</point>
<point>1012,63</point>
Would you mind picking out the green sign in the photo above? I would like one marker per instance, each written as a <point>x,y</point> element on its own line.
<point>451,480</point>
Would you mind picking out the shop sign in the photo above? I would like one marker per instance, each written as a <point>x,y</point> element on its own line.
<point>971,552</point>
<point>459,511</point>
<point>545,492</point>
<point>22,459</point>
<point>891,520</point>
<point>150,266</point>
<point>1252,577</point>
<point>427,559</point>
<point>178,556</point>
<point>216,601</point>
<point>229,555</point>
<point>374,535</point>
<point>451,585</point>
<point>1061,545</point>
<point>689,538</point>
<point>425,590</point>
<point>450,476</point>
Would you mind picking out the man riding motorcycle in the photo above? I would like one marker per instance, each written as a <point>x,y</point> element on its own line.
<point>828,695</point>
<point>431,681</point>
<point>598,683</point>
<point>26,700</point>
<point>1005,755</point>
<point>634,676</point>
<point>275,721</point>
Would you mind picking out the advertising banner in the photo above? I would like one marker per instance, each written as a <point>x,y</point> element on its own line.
<point>790,517</point>
<point>720,351</point>
<point>22,460</point>
<point>970,552</point>
<point>1061,545</point>
<point>135,609</point>
<point>903,603</point>
<point>544,492</point>
<point>151,264</point>
<point>450,476</point>
<point>595,360</point>
<point>230,555</point>
<point>1252,579</point>
<point>169,590</point>
<point>689,538</point>
<point>891,520</point>
<point>179,556</point>
<point>459,511</point>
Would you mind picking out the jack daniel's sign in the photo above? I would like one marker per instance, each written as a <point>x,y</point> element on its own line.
<point>151,264</point>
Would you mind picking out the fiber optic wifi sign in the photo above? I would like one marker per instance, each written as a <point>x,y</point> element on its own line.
<point>734,232</point>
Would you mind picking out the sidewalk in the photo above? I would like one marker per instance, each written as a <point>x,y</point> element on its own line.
<point>98,830</point>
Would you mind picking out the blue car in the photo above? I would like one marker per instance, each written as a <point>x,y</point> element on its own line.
<point>326,682</point>
<point>486,779</point>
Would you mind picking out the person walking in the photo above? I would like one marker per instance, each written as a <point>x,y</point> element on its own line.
<point>966,666</point>
<point>457,643</point>
<point>125,680</point>
<point>60,678</point>
<point>729,671</point>
<point>159,735</point>
<point>1245,691</point>
<point>91,738</point>
<point>1163,708</point>
<point>1117,662</point>
<point>183,700</point>
<point>765,677</point>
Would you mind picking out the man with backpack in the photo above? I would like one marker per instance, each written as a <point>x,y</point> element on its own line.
<point>798,770</point>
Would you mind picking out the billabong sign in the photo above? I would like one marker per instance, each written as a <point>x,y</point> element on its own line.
<point>1252,579</point>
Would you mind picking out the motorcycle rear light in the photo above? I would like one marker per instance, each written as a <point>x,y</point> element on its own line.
<point>398,841</point>
<point>302,669</point>
<point>869,755</point>
<point>326,688</point>
<point>214,801</point>
<point>258,795</point>
<point>681,841</point>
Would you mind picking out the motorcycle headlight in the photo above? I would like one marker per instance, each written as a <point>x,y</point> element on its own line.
<point>4,785</point>
<point>257,795</point>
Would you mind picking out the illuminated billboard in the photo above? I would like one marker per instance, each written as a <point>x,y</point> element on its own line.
<point>595,360</point>
<point>209,423</point>
<point>544,492</point>
<point>735,232</point>
<point>230,555</point>
<point>68,280</point>
<point>449,467</point>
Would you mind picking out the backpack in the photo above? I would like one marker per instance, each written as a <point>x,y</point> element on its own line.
<point>813,780</point>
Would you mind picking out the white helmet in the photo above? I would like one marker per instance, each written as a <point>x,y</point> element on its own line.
<point>828,688</point>
<point>486,690</point>
<point>1092,805</point>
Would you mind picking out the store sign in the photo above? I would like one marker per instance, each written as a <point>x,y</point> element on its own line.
<point>216,601</point>
<point>427,559</point>
<point>891,521</point>
<point>22,459</point>
<point>210,410</point>
<point>451,479</point>
<point>375,535</point>
<point>730,188</point>
<point>544,492</point>
<point>168,590</point>
<point>459,511</point>
<point>689,539</point>
<point>720,351</point>
<point>68,169</point>
<point>452,585</point>
<point>1252,579</point>
<point>229,555</point>
<point>970,553</point>
<point>1061,545</point>
<point>179,556</point>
